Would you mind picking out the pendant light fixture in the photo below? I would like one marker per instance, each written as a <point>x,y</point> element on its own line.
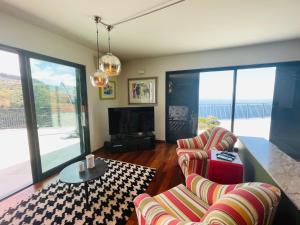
<point>109,63</point>
<point>100,78</point>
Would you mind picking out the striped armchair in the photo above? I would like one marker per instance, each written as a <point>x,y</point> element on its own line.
<point>203,202</point>
<point>194,153</point>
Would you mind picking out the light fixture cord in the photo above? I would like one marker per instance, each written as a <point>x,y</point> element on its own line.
<point>98,53</point>
<point>108,40</point>
<point>109,28</point>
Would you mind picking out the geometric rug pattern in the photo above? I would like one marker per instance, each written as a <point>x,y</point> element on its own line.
<point>111,199</point>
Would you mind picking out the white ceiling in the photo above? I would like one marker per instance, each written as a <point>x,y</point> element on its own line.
<point>193,25</point>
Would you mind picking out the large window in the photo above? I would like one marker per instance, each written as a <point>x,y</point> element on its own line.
<point>249,92</point>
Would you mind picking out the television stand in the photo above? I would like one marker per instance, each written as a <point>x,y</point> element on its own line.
<point>131,142</point>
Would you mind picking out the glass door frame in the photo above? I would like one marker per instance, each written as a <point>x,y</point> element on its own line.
<point>29,107</point>
<point>234,69</point>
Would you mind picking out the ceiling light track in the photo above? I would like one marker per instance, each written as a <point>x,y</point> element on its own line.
<point>149,12</point>
<point>110,26</point>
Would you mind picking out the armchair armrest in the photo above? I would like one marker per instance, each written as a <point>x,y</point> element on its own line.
<point>193,162</point>
<point>197,142</point>
<point>152,213</point>
<point>197,155</point>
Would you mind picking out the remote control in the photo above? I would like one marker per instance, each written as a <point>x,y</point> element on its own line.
<point>219,156</point>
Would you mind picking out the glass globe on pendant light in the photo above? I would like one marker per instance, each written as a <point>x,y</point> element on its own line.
<point>110,64</point>
<point>99,79</point>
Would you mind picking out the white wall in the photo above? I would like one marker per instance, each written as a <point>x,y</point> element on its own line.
<point>256,54</point>
<point>17,33</point>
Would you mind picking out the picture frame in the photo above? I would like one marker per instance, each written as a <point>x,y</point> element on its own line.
<point>108,92</point>
<point>142,90</point>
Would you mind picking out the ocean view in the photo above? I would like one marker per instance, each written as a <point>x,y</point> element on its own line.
<point>243,109</point>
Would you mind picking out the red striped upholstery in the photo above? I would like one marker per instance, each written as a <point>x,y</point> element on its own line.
<point>243,204</point>
<point>182,204</point>
<point>246,205</point>
<point>216,137</point>
<point>196,142</point>
<point>207,190</point>
<point>220,139</point>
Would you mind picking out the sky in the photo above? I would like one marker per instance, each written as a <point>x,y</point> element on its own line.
<point>255,84</point>
<point>9,63</point>
<point>53,73</point>
<point>47,72</point>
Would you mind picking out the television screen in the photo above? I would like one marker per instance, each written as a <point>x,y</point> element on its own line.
<point>130,120</point>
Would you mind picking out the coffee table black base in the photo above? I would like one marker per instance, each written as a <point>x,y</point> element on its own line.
<point>72,175</point>
<point>88,204</point>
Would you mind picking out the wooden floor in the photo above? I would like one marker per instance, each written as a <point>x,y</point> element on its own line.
<point>163,158</point>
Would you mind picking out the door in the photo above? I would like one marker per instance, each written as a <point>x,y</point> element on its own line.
<point>181,106</point>
<point>15,164</point>
<point>59,121</point>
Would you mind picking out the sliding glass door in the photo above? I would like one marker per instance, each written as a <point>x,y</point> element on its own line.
<point>56,91</point>
<point>15,166</point>
<point>43,103</point>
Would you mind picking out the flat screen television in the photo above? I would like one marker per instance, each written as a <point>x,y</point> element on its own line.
<point>131,120</point>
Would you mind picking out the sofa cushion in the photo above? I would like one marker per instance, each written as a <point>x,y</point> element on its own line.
<point>182,204</point>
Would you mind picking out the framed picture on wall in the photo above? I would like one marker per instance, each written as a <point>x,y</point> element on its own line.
<point>142,90</point>
<point>108,92</point>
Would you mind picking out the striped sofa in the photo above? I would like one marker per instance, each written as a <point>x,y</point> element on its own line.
<point>203,202</point>
<point>194,153</point>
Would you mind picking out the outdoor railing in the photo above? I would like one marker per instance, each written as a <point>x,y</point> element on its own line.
<point>242,110</point>
<point>13,118</point>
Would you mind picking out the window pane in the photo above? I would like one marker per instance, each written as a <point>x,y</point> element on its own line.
<point>215,99</point>
<point>15,167</point>
<point>254,98</point>
<point>55,96</point>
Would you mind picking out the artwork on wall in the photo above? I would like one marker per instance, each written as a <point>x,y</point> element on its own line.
<point>108,92</point>
<point>142,90</point>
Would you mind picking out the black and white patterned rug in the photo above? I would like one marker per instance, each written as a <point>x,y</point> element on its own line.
<point>111,199</point>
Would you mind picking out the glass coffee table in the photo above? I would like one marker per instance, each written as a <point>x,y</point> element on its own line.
<point>71,175</point>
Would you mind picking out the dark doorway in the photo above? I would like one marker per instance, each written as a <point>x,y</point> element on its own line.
<point>181,105</point>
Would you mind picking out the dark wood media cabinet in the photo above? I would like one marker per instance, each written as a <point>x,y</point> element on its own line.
<point>131,142</point>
